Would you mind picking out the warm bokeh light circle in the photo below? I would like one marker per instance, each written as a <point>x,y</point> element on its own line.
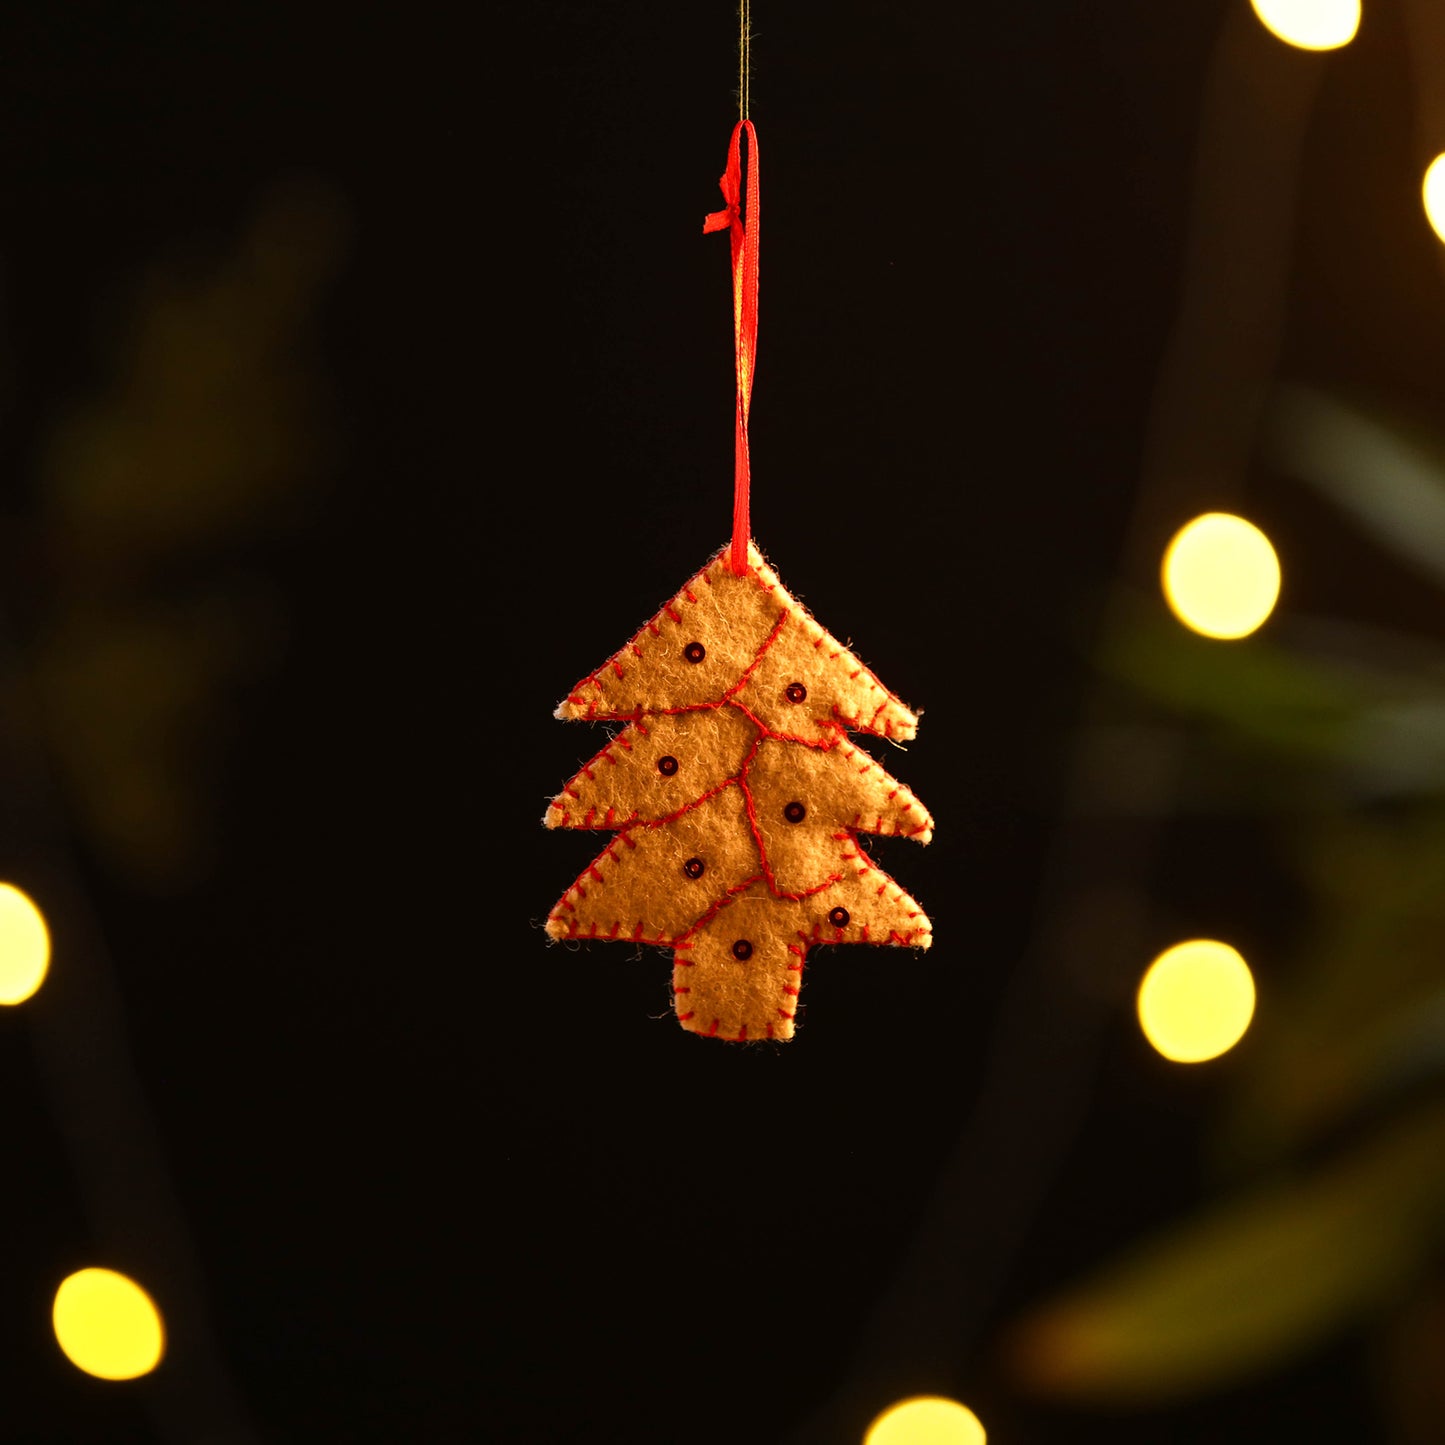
<point>1433,191</point>
<point>1310,24</point>
<point>107,1325</point>
<point>926,1420</point>
<point>1196,1000</point>
<point>24,946</point>
<point>1220,575</point>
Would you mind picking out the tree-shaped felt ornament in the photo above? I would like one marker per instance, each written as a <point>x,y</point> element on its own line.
<point>733,793</point>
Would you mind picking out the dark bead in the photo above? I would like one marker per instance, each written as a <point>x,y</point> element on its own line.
<point>667,765</point>
<point>742,950</point>
<point>839,918</point>
<point>795,692</point>
<point>795,812</point>
<point>694,867</point>
<point>694,652</point>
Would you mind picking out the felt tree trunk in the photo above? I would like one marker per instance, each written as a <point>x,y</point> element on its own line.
<point>736,800</point>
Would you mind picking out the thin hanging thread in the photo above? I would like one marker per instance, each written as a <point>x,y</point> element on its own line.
<point>743,233</point>
<point>745,55</point>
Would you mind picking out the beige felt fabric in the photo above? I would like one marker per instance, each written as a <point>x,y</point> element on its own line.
<point>842,693</point>
<point>717,994</point>
<point>637,887</point>
<point>840,789</point>
<point>731,616</point>
<point>744,750</point>
<point>757,640</point>
<point>623,782</point>
<point>879,910</point>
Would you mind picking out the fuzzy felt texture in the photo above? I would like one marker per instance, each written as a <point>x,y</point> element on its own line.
<point>736,799</point>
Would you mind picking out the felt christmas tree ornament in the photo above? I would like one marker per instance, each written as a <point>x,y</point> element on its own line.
<point>735,798</point>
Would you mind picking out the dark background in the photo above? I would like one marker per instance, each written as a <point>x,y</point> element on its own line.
<point>445,1182</point>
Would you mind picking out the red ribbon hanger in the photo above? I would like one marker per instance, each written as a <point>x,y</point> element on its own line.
<point>743,233</point>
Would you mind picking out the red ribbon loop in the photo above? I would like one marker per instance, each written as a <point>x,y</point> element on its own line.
<point>744,237</point>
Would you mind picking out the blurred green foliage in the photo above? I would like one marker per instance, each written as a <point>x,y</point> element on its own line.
<point>211,431</point>
<point>1329,1206</point>
<point>1252,1280</point>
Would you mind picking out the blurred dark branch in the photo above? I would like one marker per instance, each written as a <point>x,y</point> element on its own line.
<point>1220,362</point>
<point>1046,1046</point>
<point>1425,26</point>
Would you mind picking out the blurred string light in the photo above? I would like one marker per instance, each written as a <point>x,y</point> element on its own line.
<point>1310,24</point>
<point>1196,1000</point>
<point>24,946</point>
<point>926,1420</point>
<point>108,1325</point>
<point>1433,190</point>
<point>1221,575</point>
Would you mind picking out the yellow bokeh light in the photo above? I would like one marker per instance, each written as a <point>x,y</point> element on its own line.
<point>1196,1000</point>
<point>1221,575</point>
<point>1433,190</point>
<point>108,1325</point>
<point>24,946</point>
<point>926,1420</point>
<point>1310,24</point>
